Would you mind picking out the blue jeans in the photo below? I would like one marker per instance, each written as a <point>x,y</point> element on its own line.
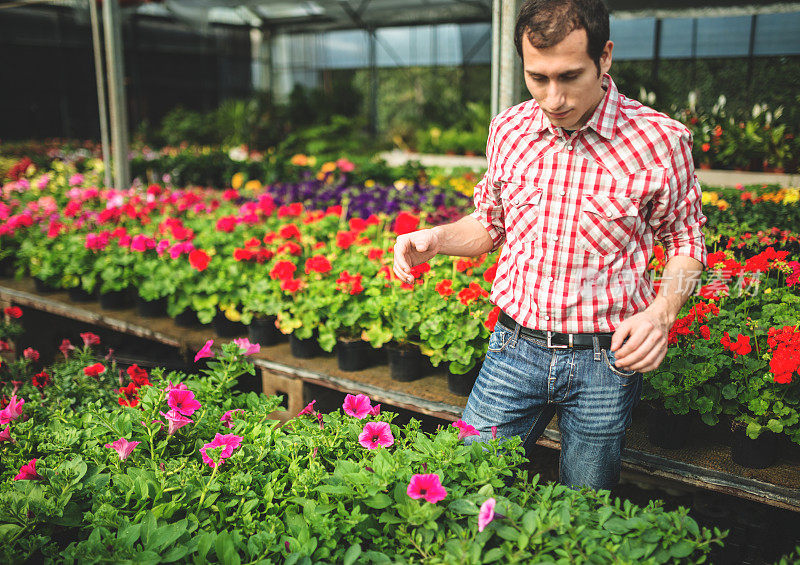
<point>523,383</point>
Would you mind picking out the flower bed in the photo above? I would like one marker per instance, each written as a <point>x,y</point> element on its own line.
<point>180,468</point>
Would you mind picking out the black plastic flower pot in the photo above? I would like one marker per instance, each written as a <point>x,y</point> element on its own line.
<point>115,300</point>
<point>263,331</point>
<point>43,287</point>
<point>78,294</point>
<point>379,356</point>
<point>666,429</point>
<point>406,363</point>
<point>757,453</point>
<point>187,319</point>
<point>7,266</point>
<point>223,327</point>
<point>151,308</point>
<point>304,348</point>
<point>462,384</point>
<point>353,355</point>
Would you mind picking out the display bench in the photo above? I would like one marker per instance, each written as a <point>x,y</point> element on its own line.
<point>704,463</point>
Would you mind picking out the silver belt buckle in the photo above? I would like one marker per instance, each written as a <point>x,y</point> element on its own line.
<point>550,342</point>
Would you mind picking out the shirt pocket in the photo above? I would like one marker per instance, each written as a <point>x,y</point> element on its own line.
<point>523,212</point>
<point>607,223</point>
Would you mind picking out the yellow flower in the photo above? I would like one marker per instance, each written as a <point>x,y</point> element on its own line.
<point>710,197</point>
<point>722,204</point>
<point>369,183</point>
<point>237,181</point>
<point>312,161</point>
<point>792,195</point>
<point>252,185</point>
<point>299,160</point>
<point>328,167</point>
<point>767,291</point>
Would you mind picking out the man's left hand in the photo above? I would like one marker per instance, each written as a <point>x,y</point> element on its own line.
<point>646,347</point>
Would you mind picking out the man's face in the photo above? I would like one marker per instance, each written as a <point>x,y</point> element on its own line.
<point>563,78</point>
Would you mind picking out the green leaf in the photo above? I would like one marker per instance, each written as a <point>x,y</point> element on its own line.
<point>682,549</point>
<point>352,554</point>
<point>494,554</point>
<point>617,525</point>
<point>226,550</point>
<point>166,535</point>
<point>378,501</point>
<point>464,507</point>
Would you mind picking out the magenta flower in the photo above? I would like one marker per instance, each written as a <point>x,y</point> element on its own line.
<point>321,423</point>
<point>486,514</point>
<point>205,351</point>
<point>247,347</point>
<point>123,447</point>
<point>494,432</point>
<point>28,472</point>
<point>357,406</point>
<point>376,434</point>
<point>5,435</point>
<point>31,354</point>
<point>176,421</point>
<point>428,487</point>
<point>227,417</point>
<point>179,386</point>
<point>12,411</point>
<point>376,410</point>
<point>183,401</point>
<point>309,409</point>
<point>465,429</point>
<point>228,443</point>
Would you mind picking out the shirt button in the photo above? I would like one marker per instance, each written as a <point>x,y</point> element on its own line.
<point>555,238</point>
<point>551,278</point>
<point>563,192</point>
<point>569,147</point>
<point>547,317</point>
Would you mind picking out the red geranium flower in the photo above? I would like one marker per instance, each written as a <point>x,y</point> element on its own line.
<point>291,210</point>
<point>199,259</point>
<point>349,283</point>
<point>491,320</point>
<point>739,347</point>
<point>289,231</point>
<point>291,285</point>
<point>94,370</point>
<point>138,375</point>
<point>290,248</point>
<point>344,239</point>
<point>41,380</point>
<point>318,264</point>
<point>405,223</point>
<point>226,224</point>
<point>283,270</point>
<point>13,312</point>
<point>445,288</point>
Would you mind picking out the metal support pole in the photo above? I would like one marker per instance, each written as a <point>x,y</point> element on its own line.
<point>101,93</point>
<point>751,57</point>
<point>116,91</point>
<point>656,55</point>
<point>373,81</point>
<point>496,40</point>
<point>510,66</point>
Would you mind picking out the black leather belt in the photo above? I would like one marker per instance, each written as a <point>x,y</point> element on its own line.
<point>556,339</point>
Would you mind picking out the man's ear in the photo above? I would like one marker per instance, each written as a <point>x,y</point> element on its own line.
<point>605,57</point>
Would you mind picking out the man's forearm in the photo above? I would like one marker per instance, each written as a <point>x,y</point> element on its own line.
<point>678,281</point>
<point>465,238</point>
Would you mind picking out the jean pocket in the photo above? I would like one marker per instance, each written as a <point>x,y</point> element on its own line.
<point>499,339</point>
<point>626,377</point>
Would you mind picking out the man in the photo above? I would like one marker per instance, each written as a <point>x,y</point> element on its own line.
<point>581,181</point>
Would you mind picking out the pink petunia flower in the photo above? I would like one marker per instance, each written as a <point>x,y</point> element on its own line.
<point>205,351</point>
<point>179,386</point>
<point>12,411</point>
<point>123,447</point>
<point>376,434</point>
<point>247,347</point>
<point>176,421</point>
<point>227,417</point>
<point>309,409</point>
<point>357,406</point>
<point>321,423</point>
<point>228,443</point>
<point>90,339</point>
<point>494,432</point>
<point>31,354</point>
<point>486,514</point>
<point>65,347</point>
<point>464,429</point>
<point>376,410</point>
<point>183,401</point>
<point>5,435</point>
<point>28,472</point>
<point>428,487</point>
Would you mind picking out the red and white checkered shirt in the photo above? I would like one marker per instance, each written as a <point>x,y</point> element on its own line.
<point>579,215</point>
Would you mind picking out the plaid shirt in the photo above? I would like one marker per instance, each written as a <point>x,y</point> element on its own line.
<point>580,214</point>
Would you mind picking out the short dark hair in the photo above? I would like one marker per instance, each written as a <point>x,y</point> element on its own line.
<point>547,22</point>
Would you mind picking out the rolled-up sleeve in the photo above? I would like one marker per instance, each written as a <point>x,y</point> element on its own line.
<point>487,198</point>
<point>677,216</point>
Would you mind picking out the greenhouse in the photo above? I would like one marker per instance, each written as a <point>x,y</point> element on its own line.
<point>384,281</point>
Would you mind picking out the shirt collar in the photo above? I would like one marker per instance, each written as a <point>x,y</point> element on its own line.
<point>603,120</point>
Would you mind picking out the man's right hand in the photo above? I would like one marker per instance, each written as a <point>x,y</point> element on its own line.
<point>412,249</point>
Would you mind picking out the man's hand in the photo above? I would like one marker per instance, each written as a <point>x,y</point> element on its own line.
<point>647,341</point>
<point>412,249</point>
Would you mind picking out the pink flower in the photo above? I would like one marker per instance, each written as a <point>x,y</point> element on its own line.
<point>344,165</point>
<point>494,432</point>
<point>321,423</point>
<point>227,417</point>
<point>357,406</point>
<point>176,421</point>
<point>428,487</point>
<point>179,386</point>
<point>76,179</point>
<point>309,409</point>
<point>247,347</point>
<point>5,435</point>
<point>486,514</point>
<point>205,351</point>
<point>65,347</point>
<point>28,472</point>
<point>162,246</point>
<point>227,442</point>
<point>31,354</point>
<point>376,434</point>
<point>465,429</point>
<point>376,410</point>
<point>123,447</point>
<point>183,401</point>
<point>90,339</point>
<point>12,411</point>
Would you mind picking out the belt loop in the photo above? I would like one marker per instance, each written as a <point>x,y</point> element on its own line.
<point>515,337</point>
<point>596,347</point>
